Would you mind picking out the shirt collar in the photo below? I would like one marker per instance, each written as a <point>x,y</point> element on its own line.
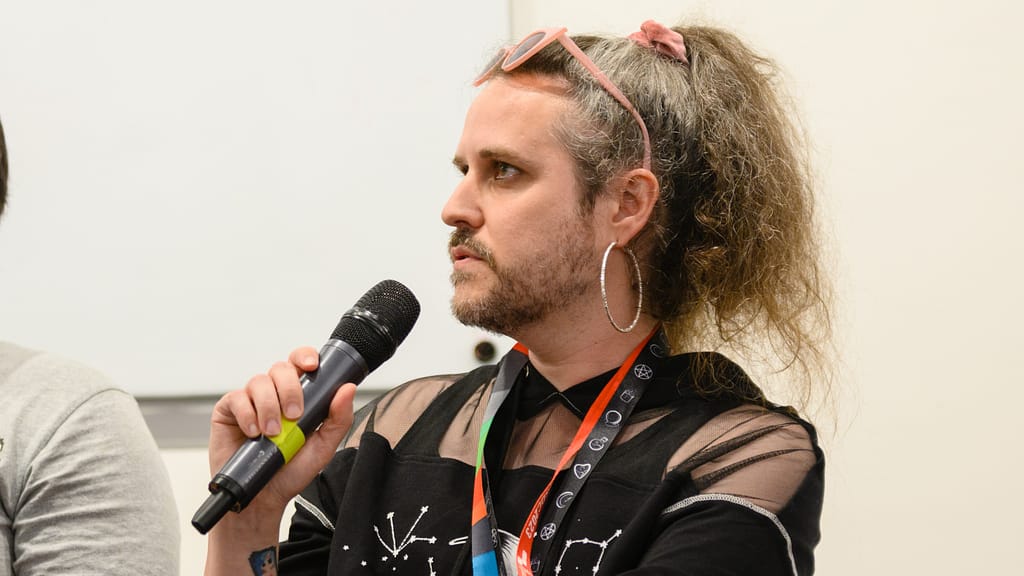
<point>537,393</point>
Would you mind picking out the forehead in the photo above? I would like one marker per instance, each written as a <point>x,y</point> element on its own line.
<point>518,111</point>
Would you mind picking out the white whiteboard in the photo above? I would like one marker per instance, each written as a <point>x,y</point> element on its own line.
<point>197,187</point>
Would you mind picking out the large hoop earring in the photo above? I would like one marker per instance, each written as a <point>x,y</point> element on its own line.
<point>604,290</point>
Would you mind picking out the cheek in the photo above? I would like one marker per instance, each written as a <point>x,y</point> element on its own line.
<point>533,225</point>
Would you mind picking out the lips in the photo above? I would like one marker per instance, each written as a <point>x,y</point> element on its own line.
<point>461,252</point>
<point>465,250</point>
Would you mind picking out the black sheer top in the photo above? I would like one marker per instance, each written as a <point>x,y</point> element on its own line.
<point>694,484</point>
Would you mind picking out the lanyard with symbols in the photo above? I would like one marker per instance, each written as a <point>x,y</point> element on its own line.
<point>597,432</point>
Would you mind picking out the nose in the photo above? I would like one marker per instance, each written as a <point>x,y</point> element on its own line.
<point>462,208</point>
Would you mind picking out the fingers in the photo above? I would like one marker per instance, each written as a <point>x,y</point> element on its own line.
<point>321,445</point>
<point>286,376</point>
<point>236,408</point>
<point>287,390</point>
<point>257,408</point>
<point>305,359</point>
<point>263,395</point>
<point>339,418</point>
<point>319,448</point>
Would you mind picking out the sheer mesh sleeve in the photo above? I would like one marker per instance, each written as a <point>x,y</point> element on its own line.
<point>744,497</point>
<point>392,414</point>
<point>749,452</point>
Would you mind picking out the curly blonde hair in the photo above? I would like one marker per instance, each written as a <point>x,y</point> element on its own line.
<point>731,255</point>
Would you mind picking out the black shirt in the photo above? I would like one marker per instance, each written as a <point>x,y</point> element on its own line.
<point>706,478</point>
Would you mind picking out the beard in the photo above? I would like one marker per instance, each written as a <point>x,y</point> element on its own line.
<point>527,292</point>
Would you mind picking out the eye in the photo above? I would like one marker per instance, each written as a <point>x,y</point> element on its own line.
<point>504,171</point>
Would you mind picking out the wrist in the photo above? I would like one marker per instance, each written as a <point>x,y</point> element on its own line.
<point>234,539</point>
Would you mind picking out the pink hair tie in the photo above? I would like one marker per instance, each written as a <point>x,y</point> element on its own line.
<point>662,39</point>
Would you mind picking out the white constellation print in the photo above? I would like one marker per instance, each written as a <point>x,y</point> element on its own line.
<point>430,565</point>
<point>396,547</point>
<point>602,544</point>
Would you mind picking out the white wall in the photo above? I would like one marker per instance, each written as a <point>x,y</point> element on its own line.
<point>915,111</point>
<point>199,186</point>
<point>190,474</point>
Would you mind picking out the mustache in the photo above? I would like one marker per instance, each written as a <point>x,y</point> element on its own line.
<point>463,237</point>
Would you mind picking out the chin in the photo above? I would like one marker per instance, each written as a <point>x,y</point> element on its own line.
<point>471,306</point>
<point>465,299</point>
<point>469,286</point>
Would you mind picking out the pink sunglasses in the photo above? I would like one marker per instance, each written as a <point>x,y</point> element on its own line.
<point>511,57</point>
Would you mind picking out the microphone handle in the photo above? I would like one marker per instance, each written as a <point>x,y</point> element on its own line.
<point>258,459</point>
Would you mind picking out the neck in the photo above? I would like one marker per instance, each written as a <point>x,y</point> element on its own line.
<point>573,352</point>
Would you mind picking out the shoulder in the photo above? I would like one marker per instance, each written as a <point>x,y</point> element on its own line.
<point>72,439</point>
<point>755,452</point>
<point>751,468</point>
<point>393,413</point>
<point>731,439</point>
<point>54,405</point>
<point>44,391</point>
<point>754,477</point>
<point>29,373</point>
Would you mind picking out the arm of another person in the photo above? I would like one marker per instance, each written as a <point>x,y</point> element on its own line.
<point>97,498</point>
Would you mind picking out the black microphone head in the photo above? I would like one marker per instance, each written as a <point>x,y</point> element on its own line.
<point>379,322</point>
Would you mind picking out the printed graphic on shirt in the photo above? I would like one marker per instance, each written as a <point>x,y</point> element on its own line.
<point>391,542</point>
<point>580,556</point>
<point>410,553</point>
<point>583,555</point>
<point>397,538</point>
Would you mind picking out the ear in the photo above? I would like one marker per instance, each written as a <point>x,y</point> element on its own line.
<point>632,198</point>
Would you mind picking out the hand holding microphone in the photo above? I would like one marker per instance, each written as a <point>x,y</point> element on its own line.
<point>249,422</point>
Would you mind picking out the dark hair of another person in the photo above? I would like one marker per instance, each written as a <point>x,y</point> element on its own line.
<point>3,170</point>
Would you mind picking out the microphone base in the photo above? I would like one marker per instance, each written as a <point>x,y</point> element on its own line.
<point>213,509</point>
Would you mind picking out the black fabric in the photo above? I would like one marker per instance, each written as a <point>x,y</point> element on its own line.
<point>537,392</point>
<point>406,510</point>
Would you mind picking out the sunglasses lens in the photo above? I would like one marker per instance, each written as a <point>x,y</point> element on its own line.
<point>524,48</point>
<point>491,66</point>
<point>493,63</point>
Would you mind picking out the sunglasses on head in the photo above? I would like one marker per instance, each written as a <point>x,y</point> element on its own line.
<point>510,58</point>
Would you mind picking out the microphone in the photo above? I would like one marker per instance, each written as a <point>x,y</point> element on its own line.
<point>365,337</point>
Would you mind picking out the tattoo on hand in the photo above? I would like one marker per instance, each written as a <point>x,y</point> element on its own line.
<point>264,562</point>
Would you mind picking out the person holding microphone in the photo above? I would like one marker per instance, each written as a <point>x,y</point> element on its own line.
<point>637,213</point>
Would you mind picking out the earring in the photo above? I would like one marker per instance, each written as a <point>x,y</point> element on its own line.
<point>604,290</point>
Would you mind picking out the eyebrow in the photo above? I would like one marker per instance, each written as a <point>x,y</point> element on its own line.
<point>503,154</point>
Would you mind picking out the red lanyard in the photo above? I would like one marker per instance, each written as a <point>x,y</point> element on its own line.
<point>599,417</point>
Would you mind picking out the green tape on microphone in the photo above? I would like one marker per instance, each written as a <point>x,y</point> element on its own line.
<point>289,440</point>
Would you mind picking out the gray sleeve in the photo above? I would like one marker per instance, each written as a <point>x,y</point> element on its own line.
<point>97,498</point>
